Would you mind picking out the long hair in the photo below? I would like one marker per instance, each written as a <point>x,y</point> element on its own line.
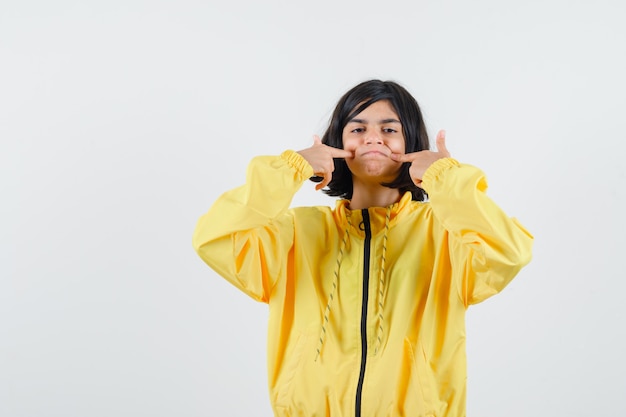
<point>354,102</point>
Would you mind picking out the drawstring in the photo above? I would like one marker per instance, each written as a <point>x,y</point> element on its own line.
<point>344,243</point>
<point>381,284</point>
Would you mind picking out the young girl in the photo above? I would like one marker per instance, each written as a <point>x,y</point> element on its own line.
<point>367,300</point>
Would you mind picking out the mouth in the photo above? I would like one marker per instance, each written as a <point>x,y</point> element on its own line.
<point>375,153</point>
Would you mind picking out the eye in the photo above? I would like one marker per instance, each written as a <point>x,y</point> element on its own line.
<point>357,130</point>
<point>389,130</point>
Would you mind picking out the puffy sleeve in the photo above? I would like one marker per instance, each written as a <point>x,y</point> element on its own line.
<point>248,232</point>
<point>487,247</point>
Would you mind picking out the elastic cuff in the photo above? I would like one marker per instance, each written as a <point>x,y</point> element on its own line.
<point>436,168</point>
<point>297,162</point>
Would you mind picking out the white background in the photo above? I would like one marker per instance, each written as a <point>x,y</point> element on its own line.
<point>122,121</point>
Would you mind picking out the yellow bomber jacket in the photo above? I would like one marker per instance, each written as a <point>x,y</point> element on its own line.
<point>366,307</point>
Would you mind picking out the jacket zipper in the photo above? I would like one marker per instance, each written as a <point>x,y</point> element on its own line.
<point>366,279</point>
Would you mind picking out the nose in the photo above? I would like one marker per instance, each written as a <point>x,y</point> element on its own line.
<point>373,138</point>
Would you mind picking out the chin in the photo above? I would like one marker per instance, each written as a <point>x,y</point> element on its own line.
<point>375,170</point>
<point>379,174</point>
<point>378,169</point>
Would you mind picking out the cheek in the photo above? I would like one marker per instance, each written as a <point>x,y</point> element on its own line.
<point>349,145</point>
<point>397,146</point>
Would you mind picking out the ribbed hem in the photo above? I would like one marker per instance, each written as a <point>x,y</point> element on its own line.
<point>297,162</point>
<point>436,168</point>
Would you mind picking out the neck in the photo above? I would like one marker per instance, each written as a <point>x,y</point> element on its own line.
<point>376,195</point>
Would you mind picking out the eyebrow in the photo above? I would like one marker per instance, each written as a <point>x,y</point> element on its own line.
<point>384,121</point>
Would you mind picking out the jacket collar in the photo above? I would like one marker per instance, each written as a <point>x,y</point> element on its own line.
<point>377,214</point>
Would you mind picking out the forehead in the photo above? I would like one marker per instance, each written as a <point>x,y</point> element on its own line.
<point>378,110</point>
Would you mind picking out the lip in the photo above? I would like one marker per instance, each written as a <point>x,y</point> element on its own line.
<point>375,152</point>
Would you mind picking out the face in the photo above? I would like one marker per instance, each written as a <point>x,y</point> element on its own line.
<point>373,135</point>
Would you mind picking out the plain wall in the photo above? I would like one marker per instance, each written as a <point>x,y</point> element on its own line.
<point>122,121</point>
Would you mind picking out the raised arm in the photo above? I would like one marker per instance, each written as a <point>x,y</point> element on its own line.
<point>487,247</point>
<point>246,235</point>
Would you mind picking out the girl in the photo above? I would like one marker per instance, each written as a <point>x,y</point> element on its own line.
<point>367,300</point>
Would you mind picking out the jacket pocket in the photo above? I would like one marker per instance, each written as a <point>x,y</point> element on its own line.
<point>427,388</point>
<point>293,363</point>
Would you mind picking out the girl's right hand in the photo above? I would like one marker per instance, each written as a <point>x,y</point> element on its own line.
<point>320,157</point>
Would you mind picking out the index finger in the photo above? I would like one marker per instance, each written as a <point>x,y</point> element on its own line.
<point>404,157</point>
<point>339,153</point>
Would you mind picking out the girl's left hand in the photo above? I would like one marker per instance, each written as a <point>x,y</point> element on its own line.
<point>420,161</point>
